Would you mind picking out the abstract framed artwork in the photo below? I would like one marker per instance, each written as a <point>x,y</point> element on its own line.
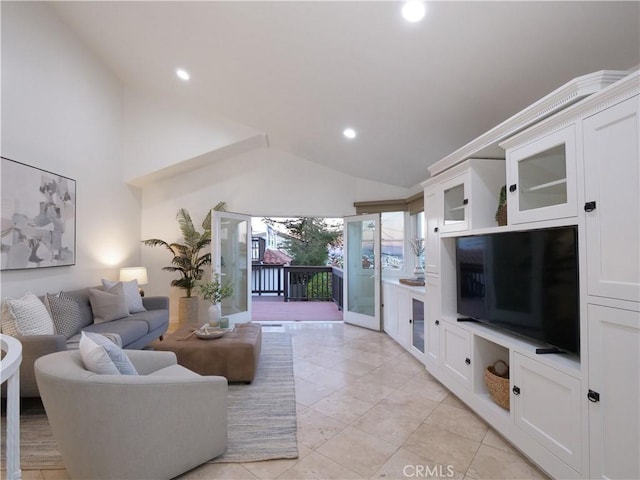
<point>37,218</point>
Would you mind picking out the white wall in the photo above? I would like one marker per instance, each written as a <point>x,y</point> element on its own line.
<point>65,112</point>
<point>263,182</point>
<point>62,111</point>
<point>162,136</point>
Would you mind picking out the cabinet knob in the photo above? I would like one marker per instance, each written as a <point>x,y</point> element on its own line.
<point>435,230</point>
<point>589,206</point>
<point>593,396</point>
<point>467,361</point>
<point>465,201</point>
<point>512,188</point>
<point>410,321</point>
<point>516,390</point>
<point>437,322</point>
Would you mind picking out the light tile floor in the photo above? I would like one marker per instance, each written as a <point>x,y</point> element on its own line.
<point>367,409</point>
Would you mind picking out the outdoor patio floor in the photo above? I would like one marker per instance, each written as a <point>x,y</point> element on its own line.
<point>274,308</point>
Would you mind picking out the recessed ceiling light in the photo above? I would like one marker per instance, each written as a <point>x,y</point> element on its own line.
<point>349,132</point>
<point>183,74</point>
<point>414,10</point>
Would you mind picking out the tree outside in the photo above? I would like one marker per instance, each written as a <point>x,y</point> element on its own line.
<point>310,239</point>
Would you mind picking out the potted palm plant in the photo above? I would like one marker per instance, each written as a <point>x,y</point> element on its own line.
<point>187,259</point>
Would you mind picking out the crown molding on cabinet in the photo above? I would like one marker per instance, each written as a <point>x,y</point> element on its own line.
<point>561,98</point>
<point>615,93</point>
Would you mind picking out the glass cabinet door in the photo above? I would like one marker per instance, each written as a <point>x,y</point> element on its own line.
<point>454,202</point>
<point>417,329</point>
<point>542,178</point>
<point>454,205</point>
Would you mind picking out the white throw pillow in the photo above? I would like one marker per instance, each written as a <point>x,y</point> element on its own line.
<point>108,304</point>
<point>131,294</point>
<point>100,355</point>
<point>30,315</point>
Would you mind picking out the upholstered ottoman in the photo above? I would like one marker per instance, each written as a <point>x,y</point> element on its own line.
<point>234,356</point>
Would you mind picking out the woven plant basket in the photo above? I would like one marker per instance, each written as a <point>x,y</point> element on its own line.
<point>501,215</point>
<point>496,377</point>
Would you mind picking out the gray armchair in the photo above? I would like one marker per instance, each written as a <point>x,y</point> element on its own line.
<point>155,425</point>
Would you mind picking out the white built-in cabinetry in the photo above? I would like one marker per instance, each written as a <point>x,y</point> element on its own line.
<point>403,314</point>
<point>612,231</point>
<point>468,195</point>
<point>574,416</point>
<point>612,171</point>
<point>541,177</point>
<point>614,383</point>
<point>432,202</point>
<point>544,403</point>
<point>432,319</point>
<point>607,210</point>
<point>456,353</point>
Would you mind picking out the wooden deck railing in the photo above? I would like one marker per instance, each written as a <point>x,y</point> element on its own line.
<point>267,279</point>
<point>298,283</point>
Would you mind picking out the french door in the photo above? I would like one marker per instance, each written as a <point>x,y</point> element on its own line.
<point>362,271</point>
<point>231,258</point>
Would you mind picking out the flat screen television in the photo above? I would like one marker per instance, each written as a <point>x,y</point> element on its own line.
<point>525,282</point>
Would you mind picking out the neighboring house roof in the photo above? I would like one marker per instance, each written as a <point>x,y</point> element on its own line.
<point>276,257</point>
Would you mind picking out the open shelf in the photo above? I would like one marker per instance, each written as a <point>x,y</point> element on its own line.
<point>549,185</point>
<point>485,353</point>
<point>453,209</point>
<point>487,338</point>
<point>485,398</point>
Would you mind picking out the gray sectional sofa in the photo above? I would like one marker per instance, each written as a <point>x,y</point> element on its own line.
<point>136,331</point>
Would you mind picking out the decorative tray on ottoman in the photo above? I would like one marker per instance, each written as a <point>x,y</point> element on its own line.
<point>209,333</point>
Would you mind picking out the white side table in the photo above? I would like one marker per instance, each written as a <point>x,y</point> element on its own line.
<point>10,373</point>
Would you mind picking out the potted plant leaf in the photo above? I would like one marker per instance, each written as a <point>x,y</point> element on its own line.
<point>187,259</point>
<point>215,291</point>
<point>501,212</point>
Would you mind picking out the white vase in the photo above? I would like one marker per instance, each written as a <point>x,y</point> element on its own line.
<point>214,315</point>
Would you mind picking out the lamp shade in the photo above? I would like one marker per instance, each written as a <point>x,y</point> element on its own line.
<point>134,273</point>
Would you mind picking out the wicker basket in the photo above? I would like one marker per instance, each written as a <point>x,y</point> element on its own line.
<point>498,383</point>
<point>501,215</point>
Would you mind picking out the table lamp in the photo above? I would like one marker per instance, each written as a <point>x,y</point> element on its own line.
<point>134,273</point>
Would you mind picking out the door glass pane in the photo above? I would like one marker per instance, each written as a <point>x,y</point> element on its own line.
<point>454,205</point>
<point>543,179</point>
<point>233,263</point>
<point>418,325</point>
<point>361,278</point>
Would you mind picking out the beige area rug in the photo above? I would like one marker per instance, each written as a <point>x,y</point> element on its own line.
<point>261,425</point>
<point>262,416</point>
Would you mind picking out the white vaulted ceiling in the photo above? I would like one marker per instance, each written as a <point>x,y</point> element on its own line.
<point>300,72</point>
